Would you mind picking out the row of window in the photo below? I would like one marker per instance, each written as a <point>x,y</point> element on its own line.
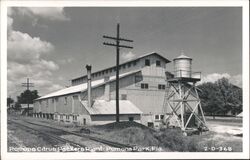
<point>160,86</point>
<point>74,117</point>
<point>127,65</point>
<point>147,63</point>
<point>159,117</point>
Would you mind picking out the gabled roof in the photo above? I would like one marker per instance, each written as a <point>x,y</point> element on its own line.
<point>83,87</point>
<point>134,59</point>
<point>109,107</point>
<point>149,54</point>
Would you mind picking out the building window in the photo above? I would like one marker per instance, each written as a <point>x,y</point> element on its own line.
<point>74,118</point>
<point>61,117</point>
<point>124,97</point>
<point>147,62</point>
<point>158,63</point>
<point>124,66</point>
<point>161,86</point>
<point>65,100</point>
<point>110,70</point>
<point>52,100</point>
<point>129,64</point>
<point>162,116</point>
<point>144,86</point>
<point>134,63</point>
<point>75,97</point>
<point>106,71</point>
<point>67,117</point>
<point>157,117</point>
<point>131,119</point>
<point>151,124</point>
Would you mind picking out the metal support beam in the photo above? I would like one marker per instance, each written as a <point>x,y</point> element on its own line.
<point>181,105</point>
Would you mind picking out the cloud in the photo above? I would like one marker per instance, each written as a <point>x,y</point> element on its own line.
<point>66,61</point>
<point>127,56</point>
<point>214,77</point>
<point>24,48</point>
<point>26,59</point>
<point>42,85</point>
<point>236,79</point>
<point>51,13</point>
<point>47,85</point>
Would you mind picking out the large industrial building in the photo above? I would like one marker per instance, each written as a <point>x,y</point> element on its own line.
<point>142,94</point>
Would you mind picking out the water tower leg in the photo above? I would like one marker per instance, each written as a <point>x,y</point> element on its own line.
<point>182,109</point>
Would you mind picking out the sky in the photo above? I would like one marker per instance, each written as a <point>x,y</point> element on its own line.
<point>52,45</point>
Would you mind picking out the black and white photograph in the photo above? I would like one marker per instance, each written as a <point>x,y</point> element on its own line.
<point>124,78</point>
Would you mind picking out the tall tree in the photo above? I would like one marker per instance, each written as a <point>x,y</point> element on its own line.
<point>221,97</point>
<point>210,98</point>
<point>27,97</point>
<point>231,95</point>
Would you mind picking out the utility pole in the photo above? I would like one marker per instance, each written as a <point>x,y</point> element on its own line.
<point>118,46</point>
<point>28,85</point>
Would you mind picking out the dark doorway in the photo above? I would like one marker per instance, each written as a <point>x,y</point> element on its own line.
<point>151,124</point>
<point>84,121</point>
<point>131,119</point>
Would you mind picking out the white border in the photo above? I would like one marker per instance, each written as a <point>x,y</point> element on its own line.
<point>126,155</point>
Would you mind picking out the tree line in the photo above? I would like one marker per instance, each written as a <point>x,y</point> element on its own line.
<point>221,98</point>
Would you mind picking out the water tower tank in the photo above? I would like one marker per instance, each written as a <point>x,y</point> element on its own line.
<point>182,66</point>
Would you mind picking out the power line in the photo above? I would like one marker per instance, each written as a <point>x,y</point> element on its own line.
<point>118,46</point>
<point>28,85</point>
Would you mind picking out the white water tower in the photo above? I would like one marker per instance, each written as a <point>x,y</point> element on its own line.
<point>182,102</point>
<point>183,66</point>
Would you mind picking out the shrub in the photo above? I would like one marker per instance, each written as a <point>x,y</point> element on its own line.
<point>175,141</point>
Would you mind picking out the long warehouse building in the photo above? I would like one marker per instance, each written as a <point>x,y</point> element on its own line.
<point>142,86</point>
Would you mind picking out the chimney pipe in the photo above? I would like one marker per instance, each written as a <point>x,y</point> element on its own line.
<point>88,67</point>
